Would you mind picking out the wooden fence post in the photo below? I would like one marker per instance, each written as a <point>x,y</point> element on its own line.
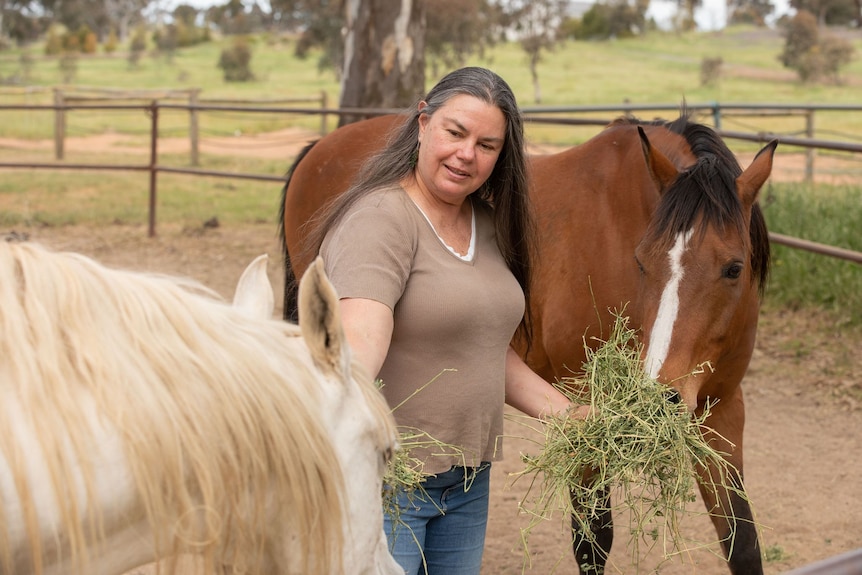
<point>59,123</point>
<point>154,159</point>
<point>193,127</point>
<point>810,153</point>
<point>324,103</point>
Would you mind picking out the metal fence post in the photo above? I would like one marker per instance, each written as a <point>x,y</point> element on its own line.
<point>809,152</point>
<point>193,127</point>
<point>59,123</point>
<point>324,104</point>
<point>154,157</point>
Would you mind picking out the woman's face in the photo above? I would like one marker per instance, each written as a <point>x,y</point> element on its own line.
<point>459,146</point>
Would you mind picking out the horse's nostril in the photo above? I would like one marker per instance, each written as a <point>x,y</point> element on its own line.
<point>674,397</point>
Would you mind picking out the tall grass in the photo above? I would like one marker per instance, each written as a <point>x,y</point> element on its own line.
<point>830,215</point>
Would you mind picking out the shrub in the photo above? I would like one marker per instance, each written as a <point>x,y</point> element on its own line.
<point>710,70</point>
<point>90,43</point>
<point>111,43</point>
<point>68,66</point>
<point>137,47</point>
<point>54,42</point>
<point>814,57</point>
<point>835,53</point>
<point>235,62</point>
<point>801,37</point>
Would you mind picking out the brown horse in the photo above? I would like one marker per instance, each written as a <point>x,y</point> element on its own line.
<point>655,218</point>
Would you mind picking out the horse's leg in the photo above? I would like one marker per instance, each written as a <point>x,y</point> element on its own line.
<point>730,513</point>
<point>592,549</point>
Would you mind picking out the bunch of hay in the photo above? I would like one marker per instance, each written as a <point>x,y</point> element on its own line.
<point>640,445</point>
<point>405,473</point>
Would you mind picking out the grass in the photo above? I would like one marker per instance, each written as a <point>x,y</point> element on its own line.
<point>775,554</point>
<point>639,444</point>
<point>657,68</point>
<point>660,68</point>
<point>830,215</point>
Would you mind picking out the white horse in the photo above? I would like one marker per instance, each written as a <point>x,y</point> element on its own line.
<point>142,418</point>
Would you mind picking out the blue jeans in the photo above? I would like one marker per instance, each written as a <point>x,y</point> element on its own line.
<point>444,524</point>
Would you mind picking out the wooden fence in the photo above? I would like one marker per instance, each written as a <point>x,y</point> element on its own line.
<point>66,99</point>
<point>540,115</point>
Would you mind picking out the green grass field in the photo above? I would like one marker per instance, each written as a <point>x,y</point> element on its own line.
<point>661,68</point>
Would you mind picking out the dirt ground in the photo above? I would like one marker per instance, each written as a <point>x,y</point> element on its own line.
<point>803,397</point>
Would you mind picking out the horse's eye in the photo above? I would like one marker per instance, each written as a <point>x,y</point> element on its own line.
<point>732,271</point>
<point>640,266</point>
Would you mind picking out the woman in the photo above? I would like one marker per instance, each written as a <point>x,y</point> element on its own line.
<point>430,252</point>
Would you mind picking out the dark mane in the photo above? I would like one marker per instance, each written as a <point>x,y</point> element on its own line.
<point>707,189</point>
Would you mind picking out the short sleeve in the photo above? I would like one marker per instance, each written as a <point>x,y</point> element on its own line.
<point>369,254</point>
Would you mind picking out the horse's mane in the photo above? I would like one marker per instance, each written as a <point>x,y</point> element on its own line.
<point>707,189</point>
<point>210,408</point>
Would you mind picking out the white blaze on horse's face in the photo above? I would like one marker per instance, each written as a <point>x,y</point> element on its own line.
<point>668,311</point>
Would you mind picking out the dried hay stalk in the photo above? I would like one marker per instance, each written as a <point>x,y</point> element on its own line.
<point>405,473</point>
<point>640,445</point>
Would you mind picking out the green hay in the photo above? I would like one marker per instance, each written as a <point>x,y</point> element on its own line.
<point>640,447</point>
<point>405,473</point>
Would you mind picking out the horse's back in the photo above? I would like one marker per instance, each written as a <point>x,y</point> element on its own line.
<point>325,170</point>
<point>592,203</point>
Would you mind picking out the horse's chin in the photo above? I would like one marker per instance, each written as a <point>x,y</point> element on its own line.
<point>687,396</point>
<point>691,406</point>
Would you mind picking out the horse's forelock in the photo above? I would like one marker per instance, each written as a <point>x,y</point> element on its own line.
<point>706,192</point>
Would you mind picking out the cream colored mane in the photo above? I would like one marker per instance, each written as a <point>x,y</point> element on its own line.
<point>216,413</point>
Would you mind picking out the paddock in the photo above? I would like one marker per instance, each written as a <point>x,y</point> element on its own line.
<point>802,397</point>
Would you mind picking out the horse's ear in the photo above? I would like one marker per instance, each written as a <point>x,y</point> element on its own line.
<point>661,170</point>
<point>320,320</point>
<point>254,292</point>
<point>748,184</point>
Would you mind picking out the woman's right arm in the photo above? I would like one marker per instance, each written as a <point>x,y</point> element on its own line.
<point>368,326</point>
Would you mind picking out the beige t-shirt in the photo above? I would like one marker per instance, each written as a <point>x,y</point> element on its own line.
<point>453,321</point>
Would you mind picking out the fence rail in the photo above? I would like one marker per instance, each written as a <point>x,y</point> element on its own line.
<point>537,115</point>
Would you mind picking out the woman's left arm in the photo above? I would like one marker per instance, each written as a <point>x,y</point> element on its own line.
<point>526,391</point>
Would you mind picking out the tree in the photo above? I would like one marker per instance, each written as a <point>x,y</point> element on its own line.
<point>321,22</point>
<point>614,19</point>
<point>800,38</point>
<point>22,21</point>
<point>74,14</point>
<point>384,55</point>
<point>687,21</point>
<point>122,15</point>
<point>829,12</point>
<point>455,29</point>
<point>537,26</point>
<point>812,56</point>
<point>231,18</point>
<point>749,11</point>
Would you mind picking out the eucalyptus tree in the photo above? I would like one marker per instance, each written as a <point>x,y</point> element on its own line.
<point>122,15</point>
<point>536,25</point>
<point>458,29</point>
<point>384,54</point>
<point>831,12</point>
<point>749,11</point>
